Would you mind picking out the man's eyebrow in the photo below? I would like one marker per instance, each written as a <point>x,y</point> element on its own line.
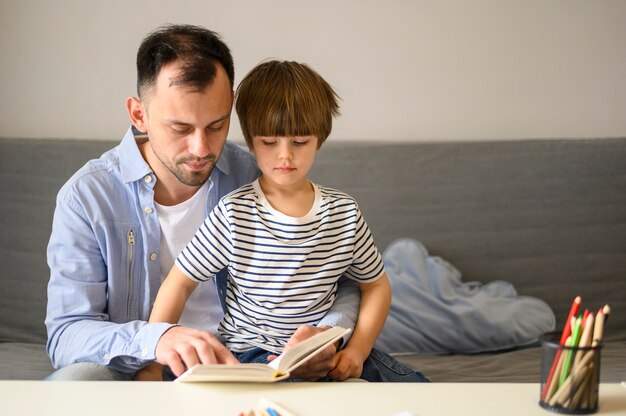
<point>220,119</point>
<point>182,123</point>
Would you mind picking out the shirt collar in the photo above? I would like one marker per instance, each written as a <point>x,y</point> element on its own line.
<point>223,162</point>
<point>134,166</point>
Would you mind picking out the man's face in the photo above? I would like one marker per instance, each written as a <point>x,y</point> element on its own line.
<point>186,129</point>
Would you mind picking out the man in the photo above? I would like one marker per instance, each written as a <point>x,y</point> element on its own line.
<point>121,219</point>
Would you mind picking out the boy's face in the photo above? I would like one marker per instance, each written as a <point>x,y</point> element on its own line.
<point>285,161</point>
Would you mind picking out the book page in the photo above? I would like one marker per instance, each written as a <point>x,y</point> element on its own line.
<point>307,349</point>
<point>256,373</point>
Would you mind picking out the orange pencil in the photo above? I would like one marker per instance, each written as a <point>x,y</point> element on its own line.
<point>567,330</point>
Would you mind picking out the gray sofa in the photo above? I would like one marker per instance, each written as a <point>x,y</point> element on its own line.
<point>549,216</point>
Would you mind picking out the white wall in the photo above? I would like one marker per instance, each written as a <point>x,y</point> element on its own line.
<point>406,70</point>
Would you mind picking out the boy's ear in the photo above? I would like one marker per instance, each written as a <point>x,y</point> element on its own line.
<point>137,113</point>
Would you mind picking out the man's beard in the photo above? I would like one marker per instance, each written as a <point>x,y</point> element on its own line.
<point>191,178</point>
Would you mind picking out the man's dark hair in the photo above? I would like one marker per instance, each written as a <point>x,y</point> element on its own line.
<point>196,48</point>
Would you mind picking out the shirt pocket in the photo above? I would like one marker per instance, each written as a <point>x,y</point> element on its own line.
<point>124,271</point>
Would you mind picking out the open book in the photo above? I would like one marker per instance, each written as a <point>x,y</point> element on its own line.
<point>276,370</point>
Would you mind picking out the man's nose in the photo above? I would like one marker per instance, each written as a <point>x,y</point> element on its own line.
<point>199,144</point>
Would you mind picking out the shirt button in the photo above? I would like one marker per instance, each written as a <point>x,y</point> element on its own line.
<point>147,210</point>
<point>106,357</point>
<point>153,256</point>
<point>144,353</point>
<point>147,178</point>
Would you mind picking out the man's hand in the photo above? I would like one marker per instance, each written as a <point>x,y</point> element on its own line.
<point>181,348</point>
<point>349,364</point>
<point>318,366</point>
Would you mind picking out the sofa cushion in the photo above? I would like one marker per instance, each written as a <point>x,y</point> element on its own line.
<point>433,311</point>
<point>23,361</point>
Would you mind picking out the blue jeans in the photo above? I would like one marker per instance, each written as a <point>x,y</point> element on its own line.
<point>88,372</point>
<point>379,367</point>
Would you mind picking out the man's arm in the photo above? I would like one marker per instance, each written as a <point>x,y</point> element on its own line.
<point>78,317</point>
<point>345,309</point>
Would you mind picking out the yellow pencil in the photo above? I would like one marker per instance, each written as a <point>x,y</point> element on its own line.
<point>598,328</point>
<point>553,383</point>
<point>586,337</point>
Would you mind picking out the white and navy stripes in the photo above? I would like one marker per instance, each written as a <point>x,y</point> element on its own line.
<point>283,271</point>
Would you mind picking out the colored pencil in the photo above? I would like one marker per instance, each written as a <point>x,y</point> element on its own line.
<point>553,384</point>
<point>566,333</point>
<point>576,333</point>
<point>586,337</point>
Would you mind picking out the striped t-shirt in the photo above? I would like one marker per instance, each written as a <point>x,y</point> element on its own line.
<point>283,271</point>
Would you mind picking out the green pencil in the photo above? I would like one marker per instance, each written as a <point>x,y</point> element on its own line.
<point>576,333</point>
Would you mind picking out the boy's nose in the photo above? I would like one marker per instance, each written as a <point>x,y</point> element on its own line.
<point>285,151</point>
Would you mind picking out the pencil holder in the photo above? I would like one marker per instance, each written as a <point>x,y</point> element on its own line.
<point>570,376</point>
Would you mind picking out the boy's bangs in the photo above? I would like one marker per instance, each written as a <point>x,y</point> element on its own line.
<point>285,121</point>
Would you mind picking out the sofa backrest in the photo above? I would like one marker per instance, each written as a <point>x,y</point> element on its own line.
<point>31,173</point>
<point>547,215</point>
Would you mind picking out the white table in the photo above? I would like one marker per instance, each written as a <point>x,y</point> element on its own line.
<point>315,399</point>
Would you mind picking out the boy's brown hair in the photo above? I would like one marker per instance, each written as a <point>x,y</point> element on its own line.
<point>285,99</point>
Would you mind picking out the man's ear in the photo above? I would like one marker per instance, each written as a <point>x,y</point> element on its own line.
<point>137,113</point>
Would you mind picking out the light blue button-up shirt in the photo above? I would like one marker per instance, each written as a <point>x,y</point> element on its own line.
<point>103,257</point>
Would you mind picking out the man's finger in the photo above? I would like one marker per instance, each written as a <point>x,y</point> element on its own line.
<point>175,364</point>
<point>188,354</point>
<point>222,354</point>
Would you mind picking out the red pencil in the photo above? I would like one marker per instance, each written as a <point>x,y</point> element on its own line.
<point>567,331</point>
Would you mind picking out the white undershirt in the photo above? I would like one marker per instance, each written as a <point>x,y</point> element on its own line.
<point>178,226</point>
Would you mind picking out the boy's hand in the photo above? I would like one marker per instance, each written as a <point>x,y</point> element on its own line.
<point>349,364</point>
<point>318,366</point>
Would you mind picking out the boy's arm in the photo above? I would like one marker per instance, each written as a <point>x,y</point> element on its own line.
<point>375,303</point>
<point>172,296</point>
<point>181,347</point>
<point>168,307</point>
<point>343,313</point>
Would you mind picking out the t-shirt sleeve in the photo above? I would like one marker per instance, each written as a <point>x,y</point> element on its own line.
<point>367,263</point>
<point>210,249</point>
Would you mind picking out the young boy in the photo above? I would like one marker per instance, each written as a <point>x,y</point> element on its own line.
<point>285,241</point>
